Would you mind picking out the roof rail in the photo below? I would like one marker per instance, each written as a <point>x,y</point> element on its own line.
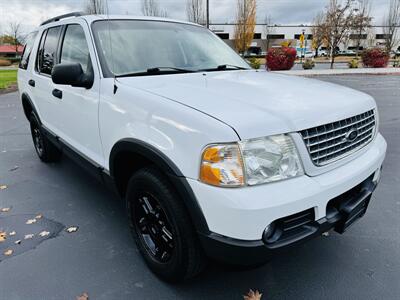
<point>58,18</point>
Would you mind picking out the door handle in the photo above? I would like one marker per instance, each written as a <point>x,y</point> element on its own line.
<point>57,93</point>
<point>31,82</point>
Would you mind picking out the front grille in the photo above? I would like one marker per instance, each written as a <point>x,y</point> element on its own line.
<point>330,142</point>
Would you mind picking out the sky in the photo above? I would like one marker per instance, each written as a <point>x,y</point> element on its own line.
<point>30,13</point>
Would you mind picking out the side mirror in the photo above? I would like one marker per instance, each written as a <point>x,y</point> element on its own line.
<point>71,74</point>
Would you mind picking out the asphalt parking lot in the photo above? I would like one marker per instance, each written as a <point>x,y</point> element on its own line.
<point>100,258</point>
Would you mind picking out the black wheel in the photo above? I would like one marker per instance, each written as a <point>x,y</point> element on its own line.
<point>162,228</point>
<point>46,151</point>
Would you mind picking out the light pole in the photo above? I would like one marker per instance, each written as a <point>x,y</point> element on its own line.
<point>208,13</point>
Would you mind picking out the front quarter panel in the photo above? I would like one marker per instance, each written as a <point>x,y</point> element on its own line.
<point>178,131</point>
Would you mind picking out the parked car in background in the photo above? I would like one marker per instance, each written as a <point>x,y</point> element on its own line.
<point>212,159</point>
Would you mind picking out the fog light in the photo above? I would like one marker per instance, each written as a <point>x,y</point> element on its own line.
<point>377,176</point>
<point>269,231</point>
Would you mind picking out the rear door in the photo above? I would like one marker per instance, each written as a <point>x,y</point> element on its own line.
<point>78,120</point>
<point>40,81</point>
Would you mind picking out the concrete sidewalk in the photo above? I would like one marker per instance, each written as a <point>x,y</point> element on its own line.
<point>359,71</point>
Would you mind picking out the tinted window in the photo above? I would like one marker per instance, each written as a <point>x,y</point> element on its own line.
<point>48,50</point>
<point>75,48</point>
<point>27,50</point>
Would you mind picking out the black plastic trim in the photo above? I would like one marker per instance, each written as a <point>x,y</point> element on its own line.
<point>58,18</point>
<point>25,97</point>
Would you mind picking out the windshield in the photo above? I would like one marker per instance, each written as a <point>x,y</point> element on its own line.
<point>133,46</point>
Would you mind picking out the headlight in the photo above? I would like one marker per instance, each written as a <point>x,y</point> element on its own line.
<point>250,162</point>
<point>270,159</point>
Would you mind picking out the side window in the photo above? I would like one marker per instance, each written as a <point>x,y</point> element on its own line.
<point>48,49</point>
<point>75,48</point>
<point>27,50</point>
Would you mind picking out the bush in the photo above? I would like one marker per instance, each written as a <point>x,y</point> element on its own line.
<point>375,58</point>
<point>5,63</point>
<point>254,63</point>
<point>280,58</point>
<point>353,64</point>
<point>308,64</point>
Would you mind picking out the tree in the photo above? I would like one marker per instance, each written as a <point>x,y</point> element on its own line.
<point>317,32</point>
<point>245,24</point>
<point>152,8</point>
<point>16,35</point>
<point>95,7</point>
<point>391,24</point>
<point>195,11</point>
<point>361,22</point>
<point>339,20</point>
<point>268,29</point>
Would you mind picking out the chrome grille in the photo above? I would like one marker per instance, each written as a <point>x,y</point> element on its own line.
<point>333,141</point>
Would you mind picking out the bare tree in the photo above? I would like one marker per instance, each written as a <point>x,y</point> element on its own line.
<point>16,35</point>
<point>339,20</point>
<point>152,8</point>
<point>318,32</point>
<point>95,7</point>
<point>361,22</point>
<point>195,11</point>
<point>391,25</point>
<point>268,29</point>
<point>245,24</point>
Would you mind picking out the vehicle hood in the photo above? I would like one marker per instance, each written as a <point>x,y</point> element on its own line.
<point>257,103</point>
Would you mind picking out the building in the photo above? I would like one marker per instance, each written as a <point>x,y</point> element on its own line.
<point>9,50</point>
<point>275,35</point>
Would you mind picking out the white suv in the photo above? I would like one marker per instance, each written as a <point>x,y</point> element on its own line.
<point>213,159</point>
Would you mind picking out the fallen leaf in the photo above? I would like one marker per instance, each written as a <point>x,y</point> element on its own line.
<point>39,216</point>
<point>84,296</point>
<point>13,168</point>
<point>44,233</point>
<point>12,233</point>
<point>3,187</point>
<point>3,236</point>
<point>29,236</point>
<point>30,221</point>
<point>5,209</point>
<point>8,252</point>
<point>72,229</point>
<point>251,295</point>
<point>17,242</point>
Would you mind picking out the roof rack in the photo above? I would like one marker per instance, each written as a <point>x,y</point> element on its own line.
<point>58,18</point>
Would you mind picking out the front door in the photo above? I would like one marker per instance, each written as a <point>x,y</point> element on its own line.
<point>79,118</point>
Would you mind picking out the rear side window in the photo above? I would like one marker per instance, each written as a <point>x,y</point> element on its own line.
<point>48,49</point>
<point>75,48</point>
<point>27,50</point>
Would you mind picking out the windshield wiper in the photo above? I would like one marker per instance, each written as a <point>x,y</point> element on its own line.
<point>225,68</point>
<point>157,71</point>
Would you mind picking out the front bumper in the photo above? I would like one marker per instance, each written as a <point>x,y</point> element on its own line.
<point>342,212</point>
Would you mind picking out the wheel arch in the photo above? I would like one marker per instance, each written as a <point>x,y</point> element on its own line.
<point>29,107</point>
<point>129,155</point>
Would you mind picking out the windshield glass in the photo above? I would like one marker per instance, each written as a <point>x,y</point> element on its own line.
<point>130,46</point>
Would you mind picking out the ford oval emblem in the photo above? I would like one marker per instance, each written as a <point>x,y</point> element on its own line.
<point>351,135</point>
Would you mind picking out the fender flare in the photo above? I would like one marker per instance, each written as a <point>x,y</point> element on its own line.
<point>25,97</point>
<point>168,167</point>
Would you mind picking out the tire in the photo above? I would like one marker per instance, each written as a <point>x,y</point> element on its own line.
<point>164,235</point>
<point>45,149</point>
